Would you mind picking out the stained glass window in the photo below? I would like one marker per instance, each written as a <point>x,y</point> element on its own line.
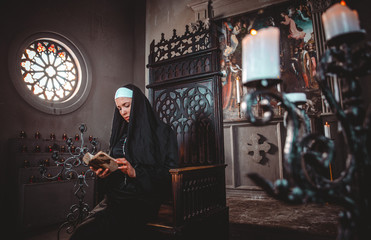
<point>49,71</point>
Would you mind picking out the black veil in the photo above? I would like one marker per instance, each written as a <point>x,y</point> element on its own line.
<point>149,140</point>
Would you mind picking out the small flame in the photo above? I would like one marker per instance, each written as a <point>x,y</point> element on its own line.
<point>343,3</point>
<point>253,32</point>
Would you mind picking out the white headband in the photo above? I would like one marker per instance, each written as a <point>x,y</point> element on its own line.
<point>124,92</point>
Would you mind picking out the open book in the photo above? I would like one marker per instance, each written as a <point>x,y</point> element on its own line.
<point>100,160</point>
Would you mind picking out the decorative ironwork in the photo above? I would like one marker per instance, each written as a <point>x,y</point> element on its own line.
<point>80,210</point>
<point>308,155</point>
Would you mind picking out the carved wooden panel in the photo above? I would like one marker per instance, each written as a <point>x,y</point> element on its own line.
<point>183,68</point>
<point>185,92</point>
<point>196,39</point>
<point>200,191</point>
<point>189,109</point>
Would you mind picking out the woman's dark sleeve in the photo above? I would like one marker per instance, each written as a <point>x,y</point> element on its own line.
<point>156,179</point>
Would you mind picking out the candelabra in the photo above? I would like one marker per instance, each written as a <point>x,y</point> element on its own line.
<point>348,57</point>
<point>69,171</point>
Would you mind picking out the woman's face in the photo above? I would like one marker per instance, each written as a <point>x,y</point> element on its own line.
<point>123,104</point>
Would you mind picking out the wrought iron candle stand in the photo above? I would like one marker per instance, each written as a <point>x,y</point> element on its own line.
<point>80,210</point>
<point>349,58</point>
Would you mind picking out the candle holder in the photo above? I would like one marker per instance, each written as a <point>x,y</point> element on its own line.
<point>26,163</point>
<point>349,38</point>
<point>69,170</point>
<point>37,148</point>
<point>37,135</point>
<point>24,148</point>
<point>22,134</point>
<point>52,136</point>
<point>263,83</point>
<point>348,58</point>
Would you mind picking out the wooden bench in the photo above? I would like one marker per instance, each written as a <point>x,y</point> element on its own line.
<point>198,208</point>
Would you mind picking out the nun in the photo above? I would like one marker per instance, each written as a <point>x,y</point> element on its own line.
<point>145,149</point>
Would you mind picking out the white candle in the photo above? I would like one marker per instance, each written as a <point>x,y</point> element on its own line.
<point>327,130</point>
<point>238,90</point>
<point>339,19</point>
<point>260,55</point>
<point>297,98</point>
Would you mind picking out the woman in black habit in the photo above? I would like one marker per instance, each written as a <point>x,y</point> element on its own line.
<point>145,149</point>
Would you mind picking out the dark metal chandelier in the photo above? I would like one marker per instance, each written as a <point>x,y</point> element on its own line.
<point>349,58</point>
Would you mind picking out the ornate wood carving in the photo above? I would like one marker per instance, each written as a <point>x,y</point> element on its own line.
<point>319,5</point>
<point>185,83</point>
<point>183,68</point>
<point>185,93</point>
<point>190,111</point>
<point>190,42</point>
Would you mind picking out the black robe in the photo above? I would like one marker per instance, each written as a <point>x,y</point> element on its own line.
<point>151,148</point>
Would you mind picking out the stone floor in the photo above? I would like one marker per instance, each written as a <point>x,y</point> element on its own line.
<point>261,218</point>
<point>270,219</point>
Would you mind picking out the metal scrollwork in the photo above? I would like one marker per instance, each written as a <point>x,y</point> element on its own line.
<point>68,171</point>
<point>307,155</point>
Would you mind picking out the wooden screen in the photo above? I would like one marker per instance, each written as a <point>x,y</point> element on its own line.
<point>185,92</point>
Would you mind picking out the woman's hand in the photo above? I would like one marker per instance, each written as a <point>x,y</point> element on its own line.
<point>100,172</point>
<point>125,167</point>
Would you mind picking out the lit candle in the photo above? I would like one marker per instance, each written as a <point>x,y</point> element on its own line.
<point>296,98</point>
<point>238,90</point>
<point>260,55</point>
<point>327,130</point>
<point>339,19</point>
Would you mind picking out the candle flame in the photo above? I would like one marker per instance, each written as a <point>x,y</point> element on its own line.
<point>327,124</point>
<point>343,3</point>
<point>253,32</point>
